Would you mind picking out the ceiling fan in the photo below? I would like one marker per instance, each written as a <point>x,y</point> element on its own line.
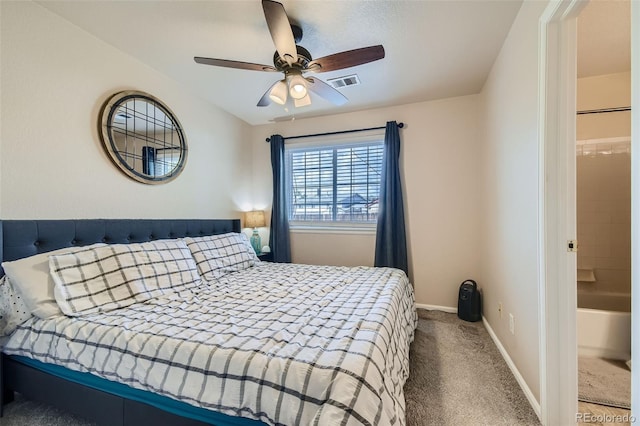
<point>294,61</point>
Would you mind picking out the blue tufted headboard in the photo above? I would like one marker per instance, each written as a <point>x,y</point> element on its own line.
<point>22,238</point>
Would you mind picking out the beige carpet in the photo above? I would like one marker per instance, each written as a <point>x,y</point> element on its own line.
<point>457,378</point>
<point>605,382</point>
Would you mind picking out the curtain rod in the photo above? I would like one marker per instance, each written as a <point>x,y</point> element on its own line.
<point>600,111</point>
<point>400,125</point>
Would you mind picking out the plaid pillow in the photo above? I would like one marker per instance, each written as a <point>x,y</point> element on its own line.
<point>118,275</point>
<point>31,277</point>
<point>219,255</point>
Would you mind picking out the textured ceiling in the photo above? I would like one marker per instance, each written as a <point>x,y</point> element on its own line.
<point>434,49</point>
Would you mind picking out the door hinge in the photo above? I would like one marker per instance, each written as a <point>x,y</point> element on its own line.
<point>572,245</point>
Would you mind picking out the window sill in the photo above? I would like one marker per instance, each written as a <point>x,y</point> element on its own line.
<point>324,228</point>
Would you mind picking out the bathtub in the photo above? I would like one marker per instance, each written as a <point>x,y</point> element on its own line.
<point>606,331</point>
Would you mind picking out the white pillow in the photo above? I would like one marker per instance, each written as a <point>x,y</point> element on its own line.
<point>13,310</point>
<point>30,276</point>
<point>219,255</point>
<point>118,275</point>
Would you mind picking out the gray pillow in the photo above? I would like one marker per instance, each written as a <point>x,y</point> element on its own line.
<point>219,255</point>
<point>13,311</point>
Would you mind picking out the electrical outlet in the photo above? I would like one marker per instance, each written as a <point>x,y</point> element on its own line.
<point>512,324</point>
<point>500,309</point>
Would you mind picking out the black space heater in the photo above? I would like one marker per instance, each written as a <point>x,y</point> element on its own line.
<point>469,303</point>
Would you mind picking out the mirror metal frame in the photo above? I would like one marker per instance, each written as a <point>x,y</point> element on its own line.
<point>107,113</point>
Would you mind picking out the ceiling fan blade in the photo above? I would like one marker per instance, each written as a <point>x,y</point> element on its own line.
<point>347,59</point>
<point>234,64</point>
<point>321,88</point>
<point>280,30</point>
<point>265,100</point>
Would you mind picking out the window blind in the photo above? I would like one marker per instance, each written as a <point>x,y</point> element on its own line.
<point>336,183</point>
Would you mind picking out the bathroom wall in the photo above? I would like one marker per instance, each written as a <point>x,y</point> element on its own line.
<point>604,215</point>
<point>603,166</point>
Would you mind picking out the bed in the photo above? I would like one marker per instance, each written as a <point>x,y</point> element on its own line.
<point>258,343</point>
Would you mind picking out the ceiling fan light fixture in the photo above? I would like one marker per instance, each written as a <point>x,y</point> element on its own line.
<point>306,100</point>
<point>279,93</point>
<point>297,86</point>
<point>294,60</point>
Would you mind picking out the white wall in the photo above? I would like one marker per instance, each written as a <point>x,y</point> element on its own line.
<point>603,91</point>
<point>509,173</point>
<point>55,77</point>
<point>440,180</point>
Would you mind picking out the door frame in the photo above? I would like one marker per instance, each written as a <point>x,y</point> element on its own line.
<point>557,211</point>
<point>635,209</point>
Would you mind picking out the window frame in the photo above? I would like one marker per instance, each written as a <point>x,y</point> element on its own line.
<point>329,142</point>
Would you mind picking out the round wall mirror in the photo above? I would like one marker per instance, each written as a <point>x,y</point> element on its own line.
<point>143,138</point>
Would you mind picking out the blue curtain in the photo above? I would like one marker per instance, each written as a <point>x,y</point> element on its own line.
<point>279,236</point>
<point>391,240</point>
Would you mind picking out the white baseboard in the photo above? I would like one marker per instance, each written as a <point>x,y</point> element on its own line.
<point>523,385</point>
<point>437,308</point>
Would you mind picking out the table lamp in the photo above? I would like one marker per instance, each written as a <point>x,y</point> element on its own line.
<point>255,219</point>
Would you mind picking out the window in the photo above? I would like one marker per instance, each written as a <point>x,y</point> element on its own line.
<point>336,183</point>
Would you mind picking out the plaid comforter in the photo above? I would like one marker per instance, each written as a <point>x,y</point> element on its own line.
<point>281,343</point>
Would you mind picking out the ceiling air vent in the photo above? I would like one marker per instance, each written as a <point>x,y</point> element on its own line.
<point>347,80</point>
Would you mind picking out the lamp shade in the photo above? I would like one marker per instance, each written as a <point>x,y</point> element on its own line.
<point>254,219</point>
<point>297,86</point>
<point>279,93</point>
<point>302,102</point>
